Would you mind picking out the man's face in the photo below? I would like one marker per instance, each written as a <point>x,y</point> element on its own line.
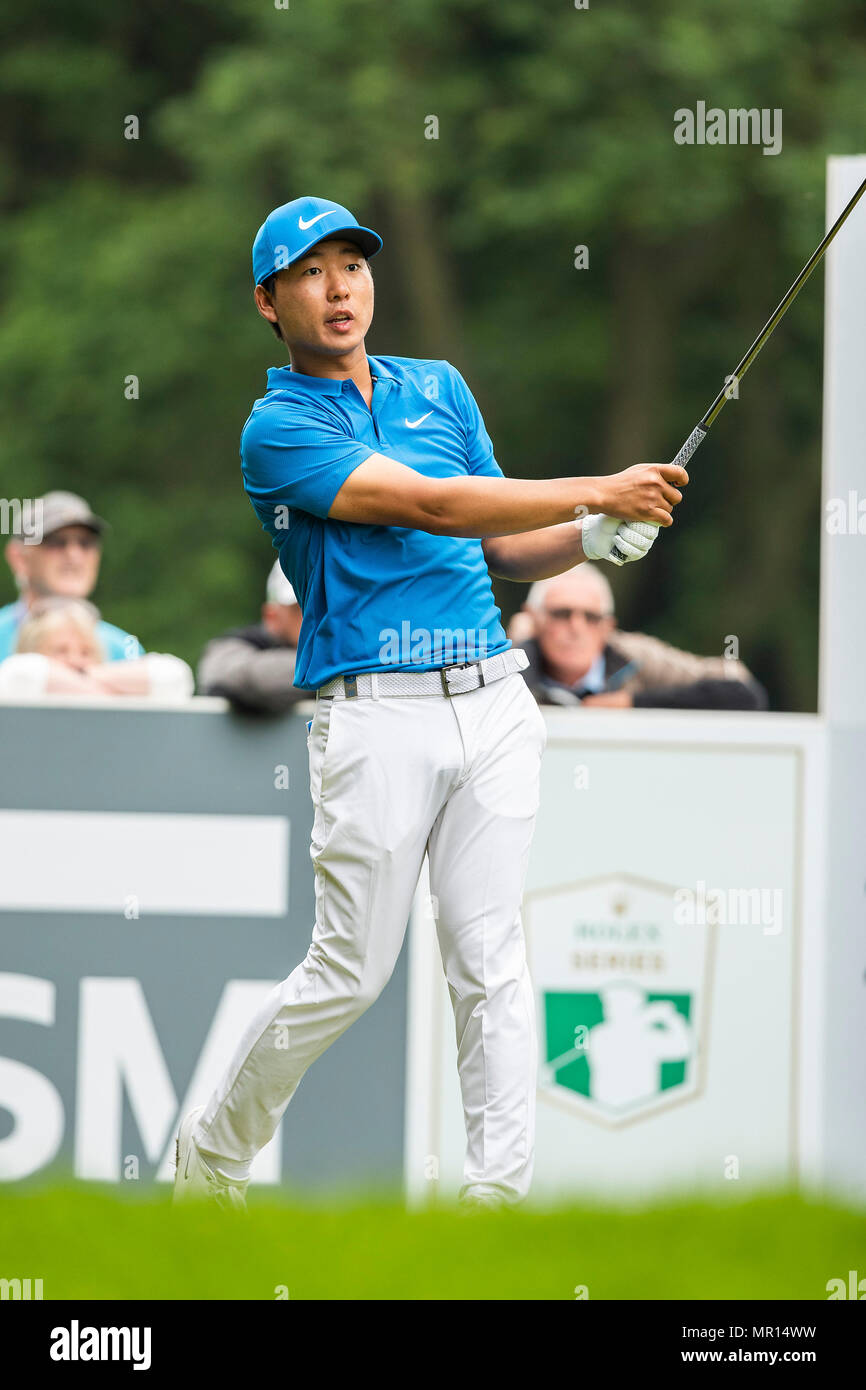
<point>572,628</point>
<point>324,302</point>
<point>283,621</point>
<point>66,564</point>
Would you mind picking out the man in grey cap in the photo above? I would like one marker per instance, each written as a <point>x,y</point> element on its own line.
<point>254,666</point>
<point>62,562</point>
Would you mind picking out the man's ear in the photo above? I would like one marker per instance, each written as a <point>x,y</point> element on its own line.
<point>264,304</point>
<point>522,627</point>
<point>14,557</point>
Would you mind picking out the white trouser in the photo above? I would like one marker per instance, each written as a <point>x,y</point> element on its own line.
<point>391,778</point>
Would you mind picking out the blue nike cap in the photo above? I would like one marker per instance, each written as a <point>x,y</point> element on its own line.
<point>292,230</point>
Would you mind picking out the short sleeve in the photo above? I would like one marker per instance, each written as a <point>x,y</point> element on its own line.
<point>479,448</point>
<point>289,459</point>
<point>117,644</point>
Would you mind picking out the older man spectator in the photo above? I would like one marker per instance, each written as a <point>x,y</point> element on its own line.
<point>254,667</point>
<point>62,563</point>
<point>59,652</point>
<point>577,655</point>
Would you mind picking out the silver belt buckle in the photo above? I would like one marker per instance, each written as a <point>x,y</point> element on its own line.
<point>463,666</point>
<point>350,687</point>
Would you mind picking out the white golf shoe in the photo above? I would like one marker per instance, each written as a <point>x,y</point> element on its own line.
<point>194,1181</point>
<point>481,1201</point>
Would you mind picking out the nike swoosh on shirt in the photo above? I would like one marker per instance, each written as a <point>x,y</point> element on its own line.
<point>413,424</point>
<point>305,226</point>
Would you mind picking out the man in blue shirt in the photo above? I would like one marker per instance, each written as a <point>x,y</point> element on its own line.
<point>56,554</point>
<point>376,480</point>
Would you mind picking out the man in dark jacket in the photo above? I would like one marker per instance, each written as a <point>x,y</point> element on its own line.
<point>254,666</point>
<point>577,655</point>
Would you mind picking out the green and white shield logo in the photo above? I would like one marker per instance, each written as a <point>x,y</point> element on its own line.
<point>621,996</point>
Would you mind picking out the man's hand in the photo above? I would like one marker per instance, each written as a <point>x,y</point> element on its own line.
<point>600,533</point>
<point>609,699</point>
<point>648,492</point>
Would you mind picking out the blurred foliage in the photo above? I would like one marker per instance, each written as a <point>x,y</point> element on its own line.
<point>132,257</point>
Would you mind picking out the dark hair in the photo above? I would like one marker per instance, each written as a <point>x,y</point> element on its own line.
<point>269,286</point>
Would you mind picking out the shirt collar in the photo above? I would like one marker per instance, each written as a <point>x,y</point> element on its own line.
<point>594,680</point>
<point>282,378</point>
<point>592,683</point>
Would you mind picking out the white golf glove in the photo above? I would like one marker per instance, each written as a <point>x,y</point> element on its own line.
<point>599,534</point>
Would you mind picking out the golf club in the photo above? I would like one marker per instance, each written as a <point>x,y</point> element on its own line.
<point>699,433</point>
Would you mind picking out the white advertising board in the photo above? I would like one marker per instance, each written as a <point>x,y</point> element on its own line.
<point>673,938</point>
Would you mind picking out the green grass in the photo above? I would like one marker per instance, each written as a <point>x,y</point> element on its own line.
<point>87,1242</point>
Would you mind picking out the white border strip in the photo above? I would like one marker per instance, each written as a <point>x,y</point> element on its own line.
<point>136,863</point>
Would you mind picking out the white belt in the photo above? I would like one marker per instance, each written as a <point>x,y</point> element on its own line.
<point>447,680</point>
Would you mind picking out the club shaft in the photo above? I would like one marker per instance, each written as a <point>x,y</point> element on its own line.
<point>699,433</point>
<point>778,313</point>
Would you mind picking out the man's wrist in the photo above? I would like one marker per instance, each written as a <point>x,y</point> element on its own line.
<point>580,549</point>
<point>590,491</point>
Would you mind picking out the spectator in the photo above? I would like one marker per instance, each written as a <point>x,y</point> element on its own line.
<point>578,656</point>
<point>60,652</point>
<point>254,666</point>
<point>65,564</point>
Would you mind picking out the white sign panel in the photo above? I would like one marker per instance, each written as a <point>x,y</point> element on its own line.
<point>666,943</point>
<point>144,862</point>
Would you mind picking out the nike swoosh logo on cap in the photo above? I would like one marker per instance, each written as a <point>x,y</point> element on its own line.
<point>305,226</point>
<point>413,424</point>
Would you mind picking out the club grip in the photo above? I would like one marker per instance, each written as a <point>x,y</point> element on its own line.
<point>697,436</point>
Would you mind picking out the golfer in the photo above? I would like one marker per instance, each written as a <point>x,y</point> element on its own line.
<point>376,480</point>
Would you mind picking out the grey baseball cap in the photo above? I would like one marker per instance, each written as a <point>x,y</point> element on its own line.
<point>68,509</point>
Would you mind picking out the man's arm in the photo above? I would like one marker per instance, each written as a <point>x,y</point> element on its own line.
<point>700,694</point>
<point>704,694</point>
<point>382,492</point>
<point>535,554</point>
<point>252,678</point>
<point>542,554</point>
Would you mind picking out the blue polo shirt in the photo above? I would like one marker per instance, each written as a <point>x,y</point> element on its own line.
<point>373,597</point>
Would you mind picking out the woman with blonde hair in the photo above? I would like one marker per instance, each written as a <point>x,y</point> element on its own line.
<point>59,653</point>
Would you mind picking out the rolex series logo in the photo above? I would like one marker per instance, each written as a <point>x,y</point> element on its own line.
<point>621,996</point>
